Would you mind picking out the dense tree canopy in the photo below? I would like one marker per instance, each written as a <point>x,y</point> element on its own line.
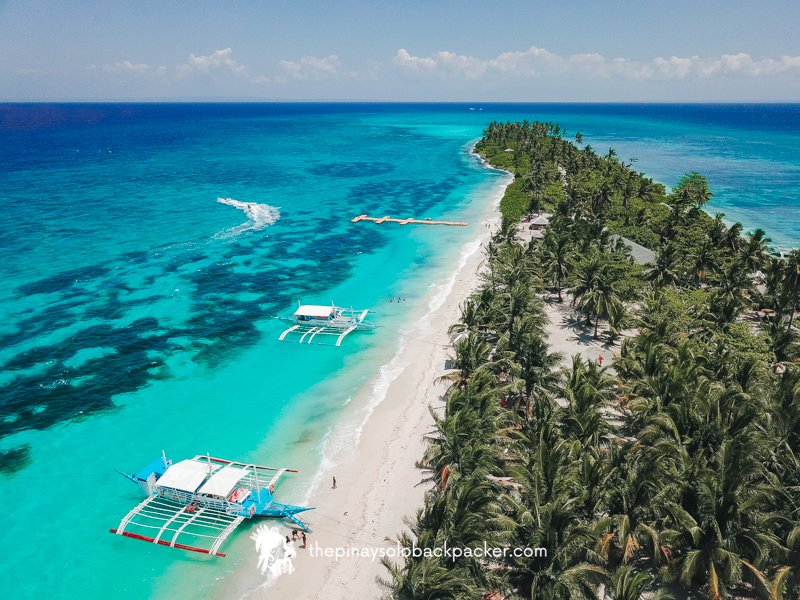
<point>674,469</point>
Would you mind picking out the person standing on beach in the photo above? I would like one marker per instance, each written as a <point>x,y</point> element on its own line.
<point>304,539</point>
<point>334,483</point>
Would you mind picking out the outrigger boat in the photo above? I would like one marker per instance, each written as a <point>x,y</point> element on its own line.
<point>309,321</point>
<point>202,499</point>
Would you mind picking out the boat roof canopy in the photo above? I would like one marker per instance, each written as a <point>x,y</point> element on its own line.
<point>310,310</point>
<point>223,481</point>
<point>185,476</point>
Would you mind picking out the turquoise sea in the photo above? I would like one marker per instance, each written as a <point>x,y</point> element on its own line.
<point>136,306</point>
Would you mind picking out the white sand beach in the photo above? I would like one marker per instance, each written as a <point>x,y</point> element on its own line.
<point>375,451</point>
<point>378,482</point>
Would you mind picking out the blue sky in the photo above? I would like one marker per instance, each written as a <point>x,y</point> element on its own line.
<point>514,51</point>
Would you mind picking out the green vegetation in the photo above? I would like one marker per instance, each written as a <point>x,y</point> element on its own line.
<point>674,473</point>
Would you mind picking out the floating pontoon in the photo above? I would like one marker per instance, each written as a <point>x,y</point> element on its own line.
<point>310,321</point>
<point>388,219</point>
<point>201,501</point>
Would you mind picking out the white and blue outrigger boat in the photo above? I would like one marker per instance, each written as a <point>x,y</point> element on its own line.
<point>202,499</point>
<point>309,321</point>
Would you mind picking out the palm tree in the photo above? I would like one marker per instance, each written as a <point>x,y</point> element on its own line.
<point>791,282</point>
<point>684,196</point>
<point>471,353</point>
<point>511,306</point>
<point>461,445</point>
<point>703,194</point>
<point>784,410</point>
<point>602,198</point>
<point>618,320</point>
<point>595,288</point>
<point>645,188</point>
<point>718,231</point>
<point>627,584</point>
<point>664,273</point>
<point>635,494</point>
<point>587,389</point>
<point>530,351</point>
<point>628,192</point>
<point>733,239</point>
<point>724,308</point>
<point>507,234</point>
<point>703,259</point>
<point>473,318</point>
<point>557,258</point>
<point>692,189</point>
<point>545,515</point>
<point>754,251</point>
<point>734,282</point>
<point>725,539</point>
<point>426,578</point>
<point>774,298</point>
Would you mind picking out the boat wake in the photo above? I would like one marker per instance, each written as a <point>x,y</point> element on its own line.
<point>259,216</point>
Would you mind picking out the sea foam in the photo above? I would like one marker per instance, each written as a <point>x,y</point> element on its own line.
<point>259,216</point>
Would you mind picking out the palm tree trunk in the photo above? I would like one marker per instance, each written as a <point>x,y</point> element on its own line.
<point>559,290</point>
<point>596,323</point>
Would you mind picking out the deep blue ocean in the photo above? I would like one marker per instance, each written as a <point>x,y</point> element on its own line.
<point>146,248</point>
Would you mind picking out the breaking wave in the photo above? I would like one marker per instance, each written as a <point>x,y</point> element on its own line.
<point>259,216</point>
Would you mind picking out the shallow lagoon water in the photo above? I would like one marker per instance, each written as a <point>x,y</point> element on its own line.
<point>137,307</point>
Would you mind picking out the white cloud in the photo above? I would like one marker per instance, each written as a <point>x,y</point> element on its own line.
<point>311,68</point>
<point>220,62</point>
<point>468,66</point>
<point>743,64</point>
<point>674,66</point>
<point>127,66</point>
<point>510,64</point>
<point>526,63</point>
<point>413,63</point>
<point>538,61</point>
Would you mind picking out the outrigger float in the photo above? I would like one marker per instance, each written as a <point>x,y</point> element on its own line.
<point>202,499</point>
<point>309,321</point>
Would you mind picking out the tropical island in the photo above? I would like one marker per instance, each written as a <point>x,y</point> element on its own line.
<point>670,473</point>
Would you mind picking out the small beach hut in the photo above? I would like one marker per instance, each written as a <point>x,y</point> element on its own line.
<point>540,223</point>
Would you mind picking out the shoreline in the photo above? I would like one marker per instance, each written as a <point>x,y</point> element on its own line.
<point>376,464</point>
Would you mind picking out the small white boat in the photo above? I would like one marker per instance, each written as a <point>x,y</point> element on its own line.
<point>310,321</point>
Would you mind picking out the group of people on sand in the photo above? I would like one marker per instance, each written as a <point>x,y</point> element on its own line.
<point>296,537</point>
